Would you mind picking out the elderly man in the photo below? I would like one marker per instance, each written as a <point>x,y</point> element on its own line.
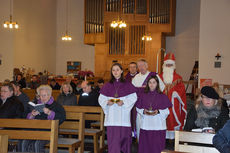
<point>175,90</point>
<point>132,71</point>
<point>10,106</point>
<point>140,81</point>
<point>89,97</point>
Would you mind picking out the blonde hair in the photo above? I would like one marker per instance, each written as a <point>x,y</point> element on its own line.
<point>44,87</point>
<point>199,100</point>
<point>67,84</point>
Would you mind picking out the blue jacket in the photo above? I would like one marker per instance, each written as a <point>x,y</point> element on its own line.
<point>221,140</point>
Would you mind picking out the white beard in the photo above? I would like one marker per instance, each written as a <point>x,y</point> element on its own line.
<point>168,74</point>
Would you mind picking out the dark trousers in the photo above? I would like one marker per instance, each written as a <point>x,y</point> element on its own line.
<point>37,146</point>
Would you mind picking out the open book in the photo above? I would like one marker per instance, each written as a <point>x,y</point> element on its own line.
<point>37,107</point>
<point>205,129</point>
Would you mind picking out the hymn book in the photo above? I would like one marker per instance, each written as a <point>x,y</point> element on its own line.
<point>37,107</point>
<point>205,129</point>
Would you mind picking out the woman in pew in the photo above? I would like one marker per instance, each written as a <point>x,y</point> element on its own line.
<point>152,105</point>
<point>51,111</point>
<point>208,112</point>
<point>117,97</point>
<point>67,97</point>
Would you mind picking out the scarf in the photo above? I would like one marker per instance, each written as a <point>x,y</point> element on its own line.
<point>204,114</point>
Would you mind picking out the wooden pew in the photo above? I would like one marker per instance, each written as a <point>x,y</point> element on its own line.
<point>32,92</point>
<point>31,130</point>
<point>97,115</point>
<point>95,125</point>
<point>194,142</point>
<point>3,143</point>
<point>74,121</point>
<point>55,94</point>
<point>78,96</point>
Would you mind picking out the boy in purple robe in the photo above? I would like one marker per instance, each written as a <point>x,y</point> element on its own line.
<point>152,106</point>
<point>117,97</point>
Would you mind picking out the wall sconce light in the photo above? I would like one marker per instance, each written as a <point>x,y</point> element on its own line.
<point>217,56</point>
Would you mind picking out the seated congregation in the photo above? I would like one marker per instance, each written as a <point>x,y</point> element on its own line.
<point>147,107</point>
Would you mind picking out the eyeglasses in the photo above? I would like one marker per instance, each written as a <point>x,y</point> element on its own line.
<point>45,95</point>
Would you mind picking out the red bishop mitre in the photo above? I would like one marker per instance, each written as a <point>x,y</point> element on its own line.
<point>169,58</point>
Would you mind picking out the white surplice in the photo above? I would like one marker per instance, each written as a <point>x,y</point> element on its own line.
<point>156,122</point>
<point>117,115</point>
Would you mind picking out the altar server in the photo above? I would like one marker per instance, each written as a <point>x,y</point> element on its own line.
<point>117,97</point>
<point>152,106</point>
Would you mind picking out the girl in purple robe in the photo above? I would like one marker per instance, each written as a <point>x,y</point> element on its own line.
<point>117,97</point>
<point>152,106</point>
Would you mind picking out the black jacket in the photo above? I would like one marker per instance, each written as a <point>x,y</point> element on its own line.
<point>69,99</point>
<point>12,108</point>
<point>59,112</point>
<point>56,87</point>
<point>90,100</point>
<point>215,123</point>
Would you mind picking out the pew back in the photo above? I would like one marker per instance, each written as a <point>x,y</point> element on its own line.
<point>91,113</point>
<point>3,143</point>
<point>31,93</point>
<point>74,120</point>
<point>194,142</point>
<point>32,130</point>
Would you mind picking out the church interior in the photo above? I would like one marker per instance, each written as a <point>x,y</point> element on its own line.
<point>82,39</point>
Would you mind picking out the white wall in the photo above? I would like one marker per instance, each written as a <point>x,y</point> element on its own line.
<point>75,50</point>
<point>215,38</point>
<point>35,41</point>
<point>185,43</point>
<point>6,47</point>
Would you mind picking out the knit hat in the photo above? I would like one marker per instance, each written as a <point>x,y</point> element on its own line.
<point>209,92</point>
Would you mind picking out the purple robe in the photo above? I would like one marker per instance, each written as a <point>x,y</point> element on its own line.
<point>152,99</point>
<point>121,88</point>
<point>133,111</point>
<point>150,74</point>
<point>129,77</point>
<point>152,140</point>
<point>119,138</point>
